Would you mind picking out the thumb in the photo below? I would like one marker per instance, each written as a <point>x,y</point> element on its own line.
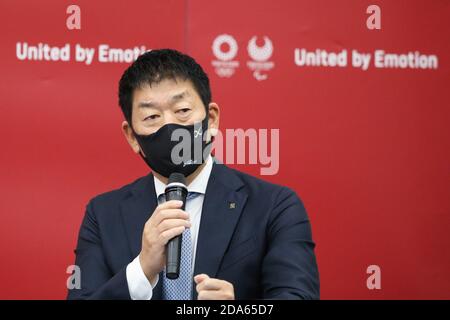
<point>200,277</point>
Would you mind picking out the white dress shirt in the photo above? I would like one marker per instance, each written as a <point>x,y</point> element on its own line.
<point>139,286</point>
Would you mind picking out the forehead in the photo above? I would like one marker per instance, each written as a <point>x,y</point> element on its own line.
<point>164,92</point>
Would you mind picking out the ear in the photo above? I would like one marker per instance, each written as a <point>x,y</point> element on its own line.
<point>129,135</point>
<point>213,118</point>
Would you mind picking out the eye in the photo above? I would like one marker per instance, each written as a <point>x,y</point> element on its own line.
<point>183,110</point>
<point>152,117</point>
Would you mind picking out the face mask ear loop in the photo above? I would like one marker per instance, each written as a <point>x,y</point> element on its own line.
<point>141,153</point>
<point>208,144</point>
<point>207,128</point>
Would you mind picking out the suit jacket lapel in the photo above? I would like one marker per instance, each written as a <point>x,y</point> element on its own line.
<point>221,210</point>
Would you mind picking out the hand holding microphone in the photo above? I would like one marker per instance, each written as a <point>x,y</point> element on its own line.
<point>168,221</point>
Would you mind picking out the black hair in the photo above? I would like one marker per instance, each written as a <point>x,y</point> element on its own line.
<point>155,66</point>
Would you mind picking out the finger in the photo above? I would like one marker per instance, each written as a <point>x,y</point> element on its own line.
<point>214,295</point>
<point>200,277</point>
<point>211,284</point>
<point>172,223</point>
<point>170,214</point>
<point>172,204</point>
<point>171,233</point>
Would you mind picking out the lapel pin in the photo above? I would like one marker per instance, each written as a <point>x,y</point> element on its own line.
<point>232,205</point>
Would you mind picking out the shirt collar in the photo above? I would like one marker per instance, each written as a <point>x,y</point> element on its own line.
<point>199,184</point>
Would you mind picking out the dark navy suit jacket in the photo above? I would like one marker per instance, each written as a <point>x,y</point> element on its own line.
<point>262,244</point>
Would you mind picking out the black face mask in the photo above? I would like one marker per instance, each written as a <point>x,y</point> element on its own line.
<point>176,148</point>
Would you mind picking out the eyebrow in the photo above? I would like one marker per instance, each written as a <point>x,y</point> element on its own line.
<point>172,100</point>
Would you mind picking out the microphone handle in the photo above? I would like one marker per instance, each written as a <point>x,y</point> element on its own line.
<point>173,253</point>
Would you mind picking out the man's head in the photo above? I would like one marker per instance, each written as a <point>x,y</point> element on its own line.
<point>161,87</point>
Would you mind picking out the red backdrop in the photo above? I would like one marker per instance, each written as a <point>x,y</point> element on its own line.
<point>367,151</point>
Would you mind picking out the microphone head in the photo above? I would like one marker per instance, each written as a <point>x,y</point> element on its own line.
<point>177,177</point>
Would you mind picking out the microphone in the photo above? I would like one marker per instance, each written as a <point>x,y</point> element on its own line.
<point>176,190</point>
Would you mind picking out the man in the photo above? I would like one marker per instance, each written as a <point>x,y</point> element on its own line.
<point>243,238</point>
